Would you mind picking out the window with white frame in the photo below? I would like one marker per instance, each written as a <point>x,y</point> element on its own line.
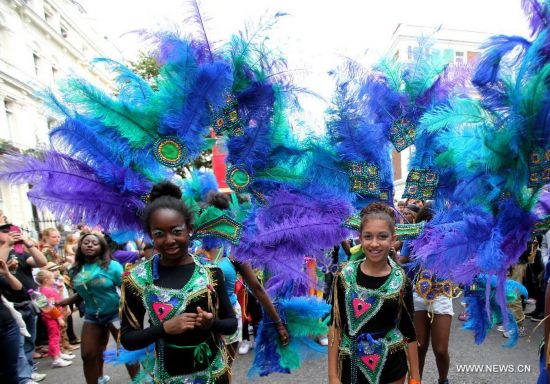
<point>459,57</point>
<point>36,61</point>
<point>52,123</point>
<point>48,16</point>
<point>64,30</point>
<point>11,123</point>
<point>55,74</point>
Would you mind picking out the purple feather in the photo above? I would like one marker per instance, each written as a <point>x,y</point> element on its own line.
<point>537,14</point>
<point>288,227</point>
<point>70,189</point>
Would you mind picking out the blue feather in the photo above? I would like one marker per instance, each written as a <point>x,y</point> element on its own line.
<point>256,108</point>
<point>131,86</point>
<point>78,138</point>
<point>191,122</point>
<point>495,49</point>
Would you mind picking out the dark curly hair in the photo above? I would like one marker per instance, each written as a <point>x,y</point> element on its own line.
<point>377,211</point>
<point>426,213</point>
<point>166,195</point>
<point>218,200</point>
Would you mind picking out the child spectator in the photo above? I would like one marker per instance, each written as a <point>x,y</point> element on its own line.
<point>53,319</point>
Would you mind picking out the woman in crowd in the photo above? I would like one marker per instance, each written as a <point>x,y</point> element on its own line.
<point>372,337</point>
<point>50,241</point>
<point>95,280</point>
<point>186,302</point>
<point>10,335</point>
<point>69,250</point>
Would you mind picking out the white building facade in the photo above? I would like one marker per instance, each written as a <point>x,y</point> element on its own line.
<point>41,41</point>
<point>465,48</point>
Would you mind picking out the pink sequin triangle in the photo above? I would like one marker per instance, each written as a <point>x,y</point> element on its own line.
<point>162,309</point>
<point>360,307</point>
<point>371,361</point>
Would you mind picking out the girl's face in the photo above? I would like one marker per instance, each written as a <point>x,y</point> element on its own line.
<point>48,280</point>
<point>377,239</point>
<point>53,239</point>
<point>409,216</point>
<point>90,246</point>
<point>169,233</point>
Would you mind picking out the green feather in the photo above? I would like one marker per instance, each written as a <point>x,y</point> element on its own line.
<point>130,122</point>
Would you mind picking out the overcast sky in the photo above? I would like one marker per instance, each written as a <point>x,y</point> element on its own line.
<point>317,34</point>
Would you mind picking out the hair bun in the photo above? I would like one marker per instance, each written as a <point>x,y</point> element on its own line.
<point>375,208</point>
<point>166,188</point>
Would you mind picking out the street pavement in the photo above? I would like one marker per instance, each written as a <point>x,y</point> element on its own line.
<point>490,356</point>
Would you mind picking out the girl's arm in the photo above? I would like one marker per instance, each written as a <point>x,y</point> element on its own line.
<point>132,334</point>
<point>412,358</point>
<point>335,332</point>
<point>261,295</point>
<point>226,322</point>
<point>333,349</point>
<point>74,299</point>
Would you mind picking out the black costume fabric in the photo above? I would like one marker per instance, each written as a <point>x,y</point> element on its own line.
<point>386,319</point>
<point>179,361</point>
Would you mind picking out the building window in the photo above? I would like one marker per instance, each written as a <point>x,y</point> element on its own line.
<point>396,162</point>
<point>36,60</point>
<point>55,74</point>
<point>472,58</point>
<point>48,16</point>
<point>409,52</point>
<point>52,123</point>
<point>64,31</point>
<point>459,57</point>
<point>9,108</point>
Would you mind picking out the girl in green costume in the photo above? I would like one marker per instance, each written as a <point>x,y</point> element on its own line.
<point>372,337</point>
<point>186,302</point>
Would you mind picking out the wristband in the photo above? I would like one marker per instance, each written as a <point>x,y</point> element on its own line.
<point>29,246</point>
<point>414,381</point>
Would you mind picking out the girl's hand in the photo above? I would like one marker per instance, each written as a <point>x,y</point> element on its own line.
<point>61,322</point>
<point>204,319</point>
<point>180,324</point>
<point>284,337</point>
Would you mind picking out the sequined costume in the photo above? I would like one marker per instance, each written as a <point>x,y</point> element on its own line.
<point>165,292</point>
<point>374,318</point>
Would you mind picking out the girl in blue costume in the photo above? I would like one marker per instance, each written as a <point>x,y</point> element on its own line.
<point>218,255</point>
<point>372,337</point>
<point>186,302</point>
<point>95,279</point>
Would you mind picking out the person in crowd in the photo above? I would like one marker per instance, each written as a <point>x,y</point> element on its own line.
<point>53,319</point>
<point>409,214</point>
<point>96,279</point>
<point>67,334</point>
<point>10,334</point>
<point>433,308</point>
<point>535,274</point>
<point>219,255</point>
<point>50,240</point>
<point>186,302</point>
<point>69,249</point>
<point>21,253</point>
<point>372,337</point>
